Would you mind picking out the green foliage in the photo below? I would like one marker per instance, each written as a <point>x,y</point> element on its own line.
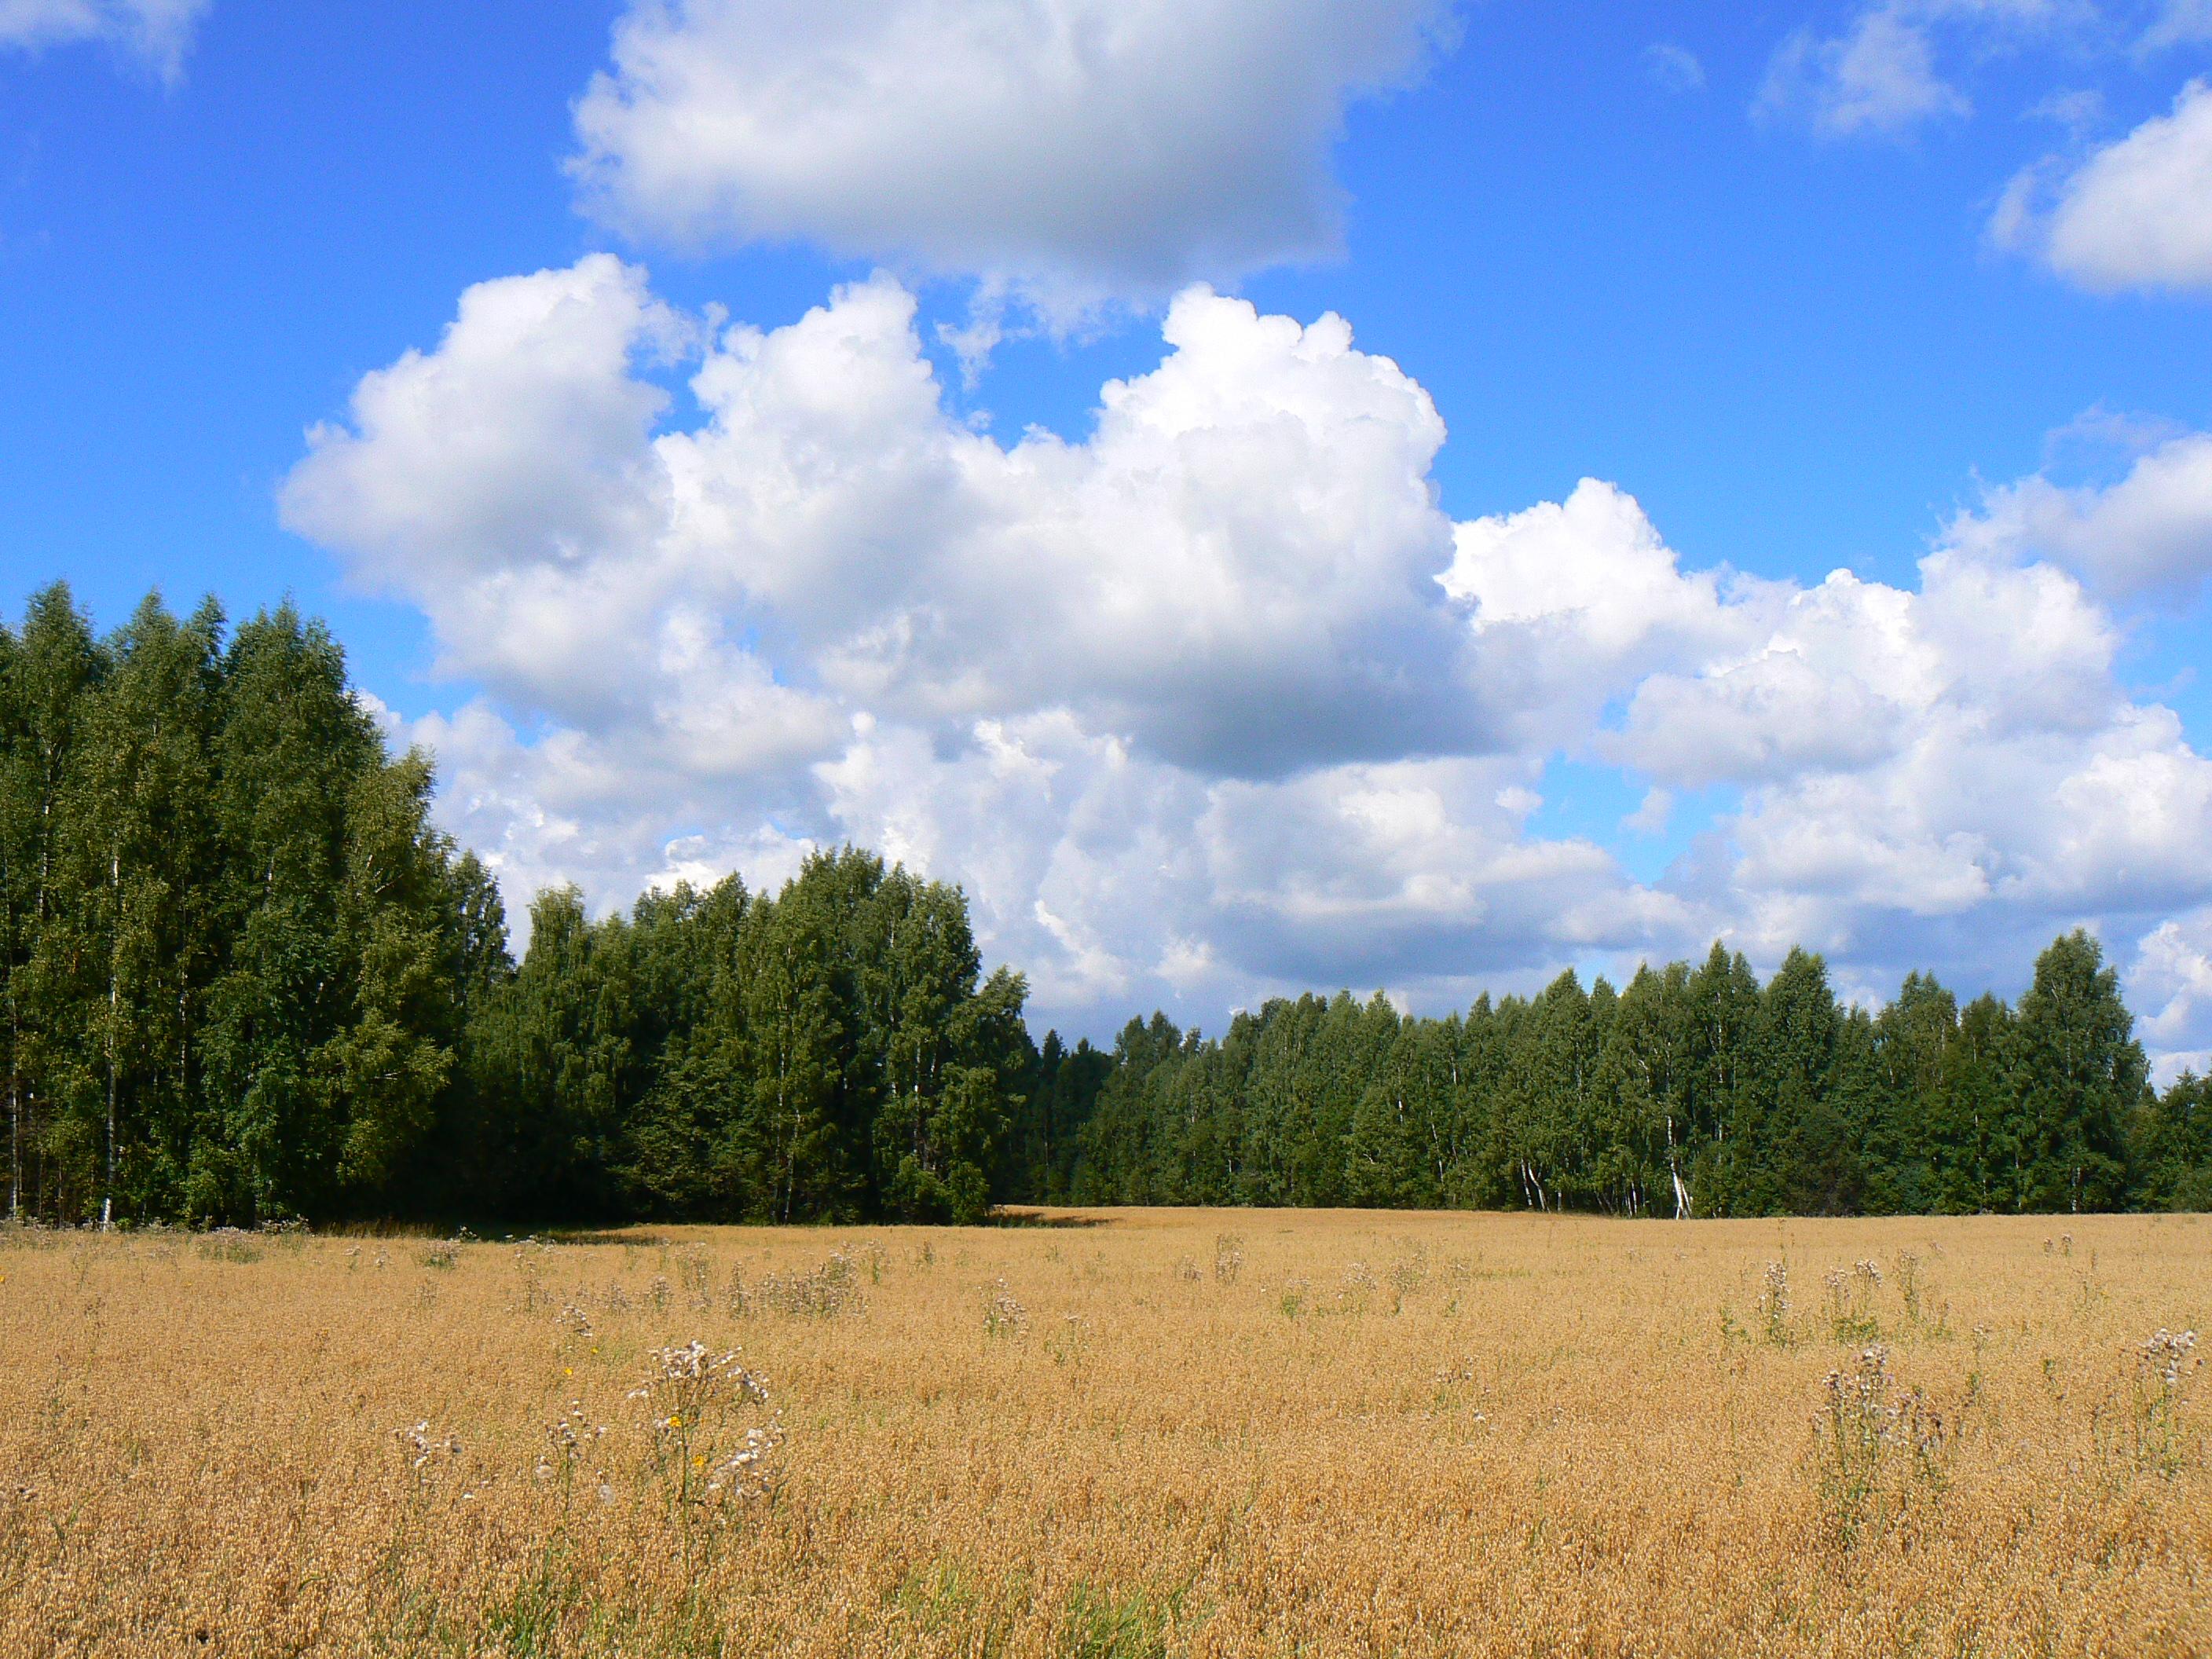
<point>244,979</point>
<point>2078,1078</point>
<point>227,928</point>
<point>1692,1092</point>
<point>835,1056</point>
<point>2175,1137</point>
<point>247,979</point>
<point>1097,1623</point>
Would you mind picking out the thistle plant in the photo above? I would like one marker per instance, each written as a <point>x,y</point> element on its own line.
<point>1227,1258</point>
<point>1850,1303</point>
<point>1067,1347</point>
<point>575,1322</point>
<point>425,1454</point>
<point>424,1451</point>
<point>704,1454</point>
<point>568,1439</point>
<point>1774,1304</point>
<point>220,1244</point>
<point>1003,1315</point>
<point>1455,1388</point>
<point>1408,1273</point>
<point>1908,1284</point>
<point>529,1266</point>
<point>2165,1368</point>
<point>698,1276</point>
<point>826,1292</point>
<point>1357,1289</point>
<point>1878,1447</point>
<point>871,1253</point>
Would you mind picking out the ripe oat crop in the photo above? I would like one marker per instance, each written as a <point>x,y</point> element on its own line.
<point>1360,1433</point>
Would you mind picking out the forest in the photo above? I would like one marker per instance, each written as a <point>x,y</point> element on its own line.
<point>1689,1092</point>
<point>247,981</point>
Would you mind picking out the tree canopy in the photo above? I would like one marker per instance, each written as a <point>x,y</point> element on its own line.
<point>1692,1091</point>
<point>245,978</point>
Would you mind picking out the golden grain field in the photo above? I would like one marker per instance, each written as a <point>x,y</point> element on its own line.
<point>1129,1432</point>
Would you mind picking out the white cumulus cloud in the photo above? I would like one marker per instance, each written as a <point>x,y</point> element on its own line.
<point>2148,531</point>
<point>1573,603</point>
<point>2136,214</point>
<point>1234,568</point>
<point>1212,699</point>
<point>1078,150</point>
<point>1896,757</point>
<point>1879,76</point>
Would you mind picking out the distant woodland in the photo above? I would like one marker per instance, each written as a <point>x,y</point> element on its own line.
<point>244,979</point>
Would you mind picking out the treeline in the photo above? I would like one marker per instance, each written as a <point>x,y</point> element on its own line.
<point>1690,1091</point>
<point>829,1054</point>
<point>244,979</point>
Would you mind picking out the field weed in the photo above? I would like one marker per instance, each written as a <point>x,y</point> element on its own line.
<point>1881,1449</point>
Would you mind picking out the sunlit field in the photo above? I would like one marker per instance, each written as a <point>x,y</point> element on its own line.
<point>1115,1432</point>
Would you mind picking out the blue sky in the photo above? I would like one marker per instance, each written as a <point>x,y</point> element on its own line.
<point>1806,288</point>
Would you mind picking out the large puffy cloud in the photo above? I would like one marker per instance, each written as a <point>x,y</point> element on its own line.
<point>2133,215</point>
<point>1896,761</point>
<point>1082,148</point>
<point>583,806</point>
<point>1182,701</point>
<point>1574,603</point>
<point>1212,699</point>
<point>2149,531</point>
<point>1850,672</point>
<point>521,438</point>
<point>1235,567</point>
<point>1127,878</point>
<point>2037,827</point>
<point>159,31</point>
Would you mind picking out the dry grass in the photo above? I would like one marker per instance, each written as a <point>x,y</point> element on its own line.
<point>1333,1433</point>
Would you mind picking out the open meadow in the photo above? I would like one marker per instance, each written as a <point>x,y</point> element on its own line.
<point>1117,1434</point>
